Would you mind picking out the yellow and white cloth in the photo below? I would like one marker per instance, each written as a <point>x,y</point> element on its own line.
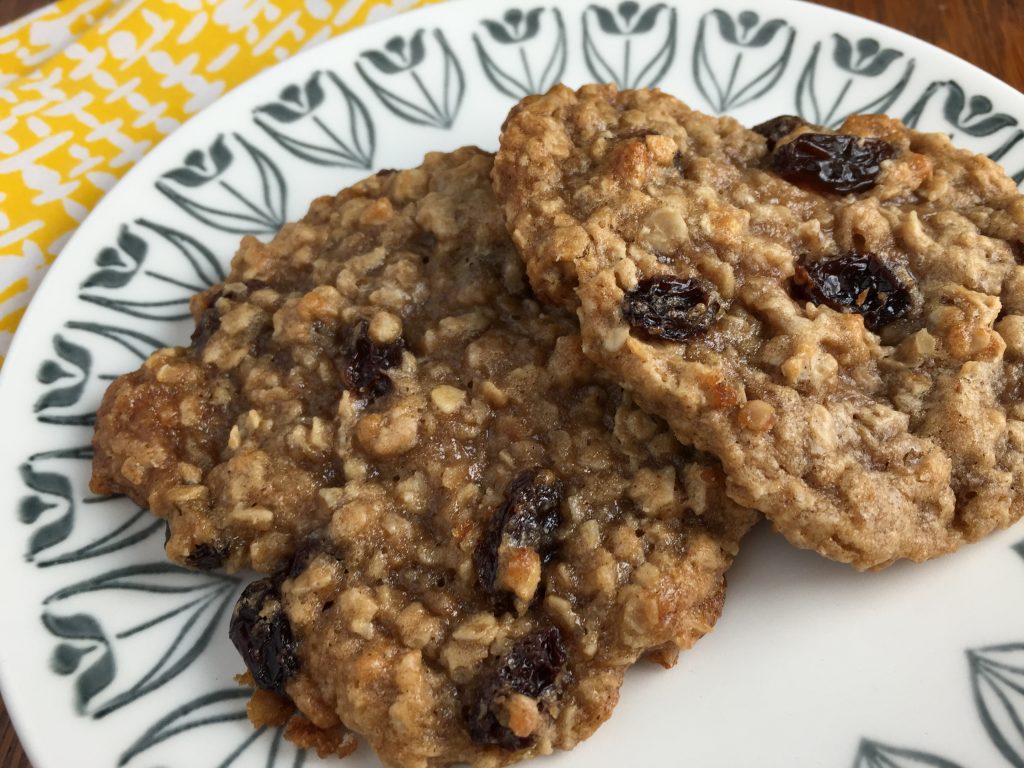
<point>87,87</point>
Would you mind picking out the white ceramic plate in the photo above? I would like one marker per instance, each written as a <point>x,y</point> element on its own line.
<point>112,657</point>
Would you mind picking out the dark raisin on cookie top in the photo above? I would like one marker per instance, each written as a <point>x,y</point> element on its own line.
<point>364,367</point>
<point>532,667</point>
<point>528,517</point>
<point>778,128</point>
<point>855,282</point>
<point>670,308</point>
<point>827,162</point>
<point>262,635</point>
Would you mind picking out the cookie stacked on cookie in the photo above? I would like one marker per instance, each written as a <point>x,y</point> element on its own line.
<point>494,428</point>
<point>836,316</point>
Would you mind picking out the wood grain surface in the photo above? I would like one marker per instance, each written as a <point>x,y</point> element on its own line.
<point>988,33</point>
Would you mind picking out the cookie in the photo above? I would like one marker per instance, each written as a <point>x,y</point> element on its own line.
<point>838,316</point>
<point>473,532</point>
<point>508,531</point>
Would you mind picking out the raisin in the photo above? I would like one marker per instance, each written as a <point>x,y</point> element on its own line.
<point>671,308</point>
<point>534,662</point>
<point>363,371</point>
<point>305,554</point>
<point>328,475</point>
<point>207,325</point>
<point>209,320</point>
<point>261,633</point>
<point>857,282</point>
<point>529,517</point>
<point>778,127</point>
<point>832,163</point>
<point>207,557</point>
<point>534,512</point>
<point>679,161</point>
<point>531,667</point>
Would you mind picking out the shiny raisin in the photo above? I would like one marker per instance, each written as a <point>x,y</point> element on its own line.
<point>531,667</point>
<point>261,633</point>
<point>671,308</point>
<point>856,282</point>
<point>534,663</point>
<point>778,128</point>
<point>529,517</point>
<point>363,369</point>
<point>207,557</point>
<point>832,163</point>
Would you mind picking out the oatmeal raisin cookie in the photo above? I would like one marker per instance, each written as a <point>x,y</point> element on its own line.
<point>473,531</point>
<point>838,316</point>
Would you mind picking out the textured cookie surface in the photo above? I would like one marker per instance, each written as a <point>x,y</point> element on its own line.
<point>478,533</point>
<point>837,316</point>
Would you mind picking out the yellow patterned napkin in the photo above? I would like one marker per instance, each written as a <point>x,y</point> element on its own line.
<point>87,87</point>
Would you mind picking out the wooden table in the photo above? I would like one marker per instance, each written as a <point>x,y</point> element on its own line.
<point>989,33</point>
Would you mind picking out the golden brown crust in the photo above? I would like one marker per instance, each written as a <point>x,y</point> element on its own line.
<point>867,447</point>
<point>392,336</point>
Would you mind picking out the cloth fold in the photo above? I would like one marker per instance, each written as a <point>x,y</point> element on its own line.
<point>87,87</point>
